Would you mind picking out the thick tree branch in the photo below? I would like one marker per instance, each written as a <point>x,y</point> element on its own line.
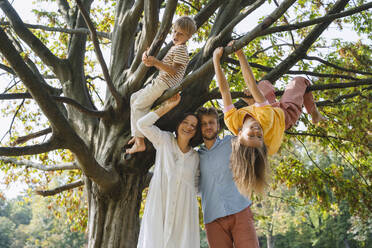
<point>36,45</point>
<point>100,58</point>
<point>24,139</point>
<point>39,166</point>
<point>126,27</point>
<point>336,66</point>
<point>327,18</point>
<point>65,10</point>
<point>300,51</point>
<point>205,13</point>
<point>50,145</point>
<point>62,30</point>
<point>70,101</point>
<point>60,189</point>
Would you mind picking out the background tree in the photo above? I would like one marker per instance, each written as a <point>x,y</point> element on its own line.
<point>68,125</point>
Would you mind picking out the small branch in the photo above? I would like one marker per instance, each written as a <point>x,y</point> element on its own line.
<point>62,30</point>
<point>336,66</point>
<point>30,164</point>
<point>215,94</point>
<point>60,189</point>
<point>63,99</point>
<point>300,51</point>
<point>310,73</point>
<point>99,55</point>
<point>48,146</point>
<point>317,135</point>
<point>24,139</point>
<point>339,99</point>
<point>327,18</point>
<point>7,69</point>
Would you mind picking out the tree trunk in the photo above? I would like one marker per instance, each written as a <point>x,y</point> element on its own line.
<point>113,219</point>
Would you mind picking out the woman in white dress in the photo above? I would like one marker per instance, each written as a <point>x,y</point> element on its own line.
<point>171,216</point>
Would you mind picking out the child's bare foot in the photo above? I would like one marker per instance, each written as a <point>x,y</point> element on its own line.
<point>139,145</point>
<point>316,117</point>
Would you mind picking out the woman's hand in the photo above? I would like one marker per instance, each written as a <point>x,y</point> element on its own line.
<point>173,101</point>
<point>168,105</point>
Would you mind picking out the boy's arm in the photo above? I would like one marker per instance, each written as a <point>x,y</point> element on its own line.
<point>249,78</point>
<point>221,79</point>
<point>152,61</point>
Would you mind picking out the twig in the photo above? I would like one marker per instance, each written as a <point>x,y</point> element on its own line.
<point>60,189</point>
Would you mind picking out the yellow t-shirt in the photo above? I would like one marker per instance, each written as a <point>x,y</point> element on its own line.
<point>271,119</point>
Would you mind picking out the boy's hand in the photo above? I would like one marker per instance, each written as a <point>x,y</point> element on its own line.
<point>238,52</point>
<point>217,54</point>
<point>148,60</point>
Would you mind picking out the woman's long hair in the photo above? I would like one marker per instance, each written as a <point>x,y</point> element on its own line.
<point>196,140</point>
<point>250,168</point>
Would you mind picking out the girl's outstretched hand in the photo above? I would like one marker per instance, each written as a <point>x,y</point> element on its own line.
<point>217,54</point>
<point>238,52</point>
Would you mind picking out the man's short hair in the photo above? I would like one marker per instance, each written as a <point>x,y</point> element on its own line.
<point>207,111</point>
<point>186,24</point>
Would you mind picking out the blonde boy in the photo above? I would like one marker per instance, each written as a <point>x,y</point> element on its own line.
<point>171,71</point>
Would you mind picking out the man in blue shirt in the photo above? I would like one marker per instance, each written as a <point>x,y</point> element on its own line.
<point>227,215</point>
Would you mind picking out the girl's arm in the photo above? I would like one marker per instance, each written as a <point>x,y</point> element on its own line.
<point>249,79</point>
<point>221,79</point>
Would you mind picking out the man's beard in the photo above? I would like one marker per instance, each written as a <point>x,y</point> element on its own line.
<point>212,137</point>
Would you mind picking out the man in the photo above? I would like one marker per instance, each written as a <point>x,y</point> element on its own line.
<point>227,215</point>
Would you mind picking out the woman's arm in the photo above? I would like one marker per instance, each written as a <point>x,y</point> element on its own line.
<point>221,79</point>
<point>146,123</point>
<point>168,105</point>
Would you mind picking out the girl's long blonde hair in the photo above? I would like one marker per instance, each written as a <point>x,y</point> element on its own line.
<point>250,168</point>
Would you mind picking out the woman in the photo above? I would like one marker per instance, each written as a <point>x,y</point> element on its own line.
<point>171,213</point>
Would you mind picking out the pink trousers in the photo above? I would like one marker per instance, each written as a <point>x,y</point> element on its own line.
<point>294,97</point>
<point>236,230</point>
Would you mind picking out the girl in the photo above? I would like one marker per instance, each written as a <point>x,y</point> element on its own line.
<point>260,127</point>
<point>171,216</point>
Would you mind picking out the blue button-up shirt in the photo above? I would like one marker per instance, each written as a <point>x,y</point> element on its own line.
<point>220,197</point>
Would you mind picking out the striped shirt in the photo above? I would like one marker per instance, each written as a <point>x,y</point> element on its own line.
<point>177,54</point>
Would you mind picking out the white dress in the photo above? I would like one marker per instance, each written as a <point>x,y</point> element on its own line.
<point>171,216</point>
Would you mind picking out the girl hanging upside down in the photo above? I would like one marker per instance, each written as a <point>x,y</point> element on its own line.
<point>260,127</point>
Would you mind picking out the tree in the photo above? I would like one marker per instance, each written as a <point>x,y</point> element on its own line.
<point>53,63</point>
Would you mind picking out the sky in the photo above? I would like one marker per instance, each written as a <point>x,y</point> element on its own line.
<point>23,8</point>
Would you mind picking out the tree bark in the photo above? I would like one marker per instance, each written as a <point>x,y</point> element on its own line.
<point>113,220</point>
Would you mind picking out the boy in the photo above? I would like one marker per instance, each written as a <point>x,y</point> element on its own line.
<point>171,71</point>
